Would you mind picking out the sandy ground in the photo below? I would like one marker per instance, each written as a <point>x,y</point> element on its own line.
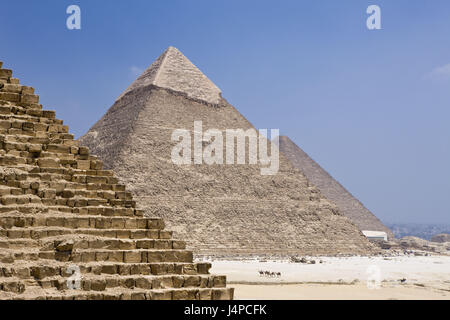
<point>341,278</point>
<point>334,292</point>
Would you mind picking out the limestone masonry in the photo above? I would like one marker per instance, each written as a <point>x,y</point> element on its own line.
<point>173,71</point>
<point>217,209</point>
<point>69,229</point>
<point>333,190</point>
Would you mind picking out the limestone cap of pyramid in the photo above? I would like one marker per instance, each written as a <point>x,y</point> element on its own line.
<point>172,70</point>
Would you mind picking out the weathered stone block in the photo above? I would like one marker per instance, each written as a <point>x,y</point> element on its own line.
<point>143,283</point>
<point>48,163</point>
<point>132,257</point>
<point>5,74</point>
<point>181,294</point>
<point>223,294</point>
<point>160,295</point>
<point>205,294</point>
<point>98,285</point>
<point>28,98</point>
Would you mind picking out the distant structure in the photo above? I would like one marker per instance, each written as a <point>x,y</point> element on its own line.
<point>219,209</point>
<point>420,230</point>
<point>375,235</point>
<point>69,230</point>
<point>332,189</point>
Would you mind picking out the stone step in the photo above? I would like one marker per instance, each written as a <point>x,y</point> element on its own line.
<point>34,126</point>
<point>66,156</point>
<point>12,285</point>
<point>40,139</point>
<point>25,131</point>
<point>7,243</point>
<point>9,200</point>
<point>47,232</point>
<point>67,198</point>
<point>16,88</point>
<point>136,283</point>
<point>46,182</point>
<point>44,191</point>
<point>8,221</point>
<point>12,160</point>
<point>86,211</point>
<point>35,193</point>
<point>10,80</point>
<point>48,173</point>
<point>30,115</point>
<point>101,283</point>
<point>14,255</point>
<point>95,195</point>
<point>40,157</point>
<point>84,242</point>
<point>91,255</point>
<point>55,178</point>
<point>25,110</point>
<point>66,166</point>
<point>6,190</point>
<point>5,73</point>
<point>102,179</point>
<point>41,270</point>
<point>44,160</point>
<point>126,256</point>
<point>23,97</point>
<point>125,269</point>
<point>72,175</point>
<point>125,294</point>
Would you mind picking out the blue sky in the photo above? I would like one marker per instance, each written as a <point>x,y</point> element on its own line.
<point>372,107</point>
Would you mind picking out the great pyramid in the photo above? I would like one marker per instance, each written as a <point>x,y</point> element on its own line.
<point>332,189</point>
<point>218,209</point>
<point>69,230</point>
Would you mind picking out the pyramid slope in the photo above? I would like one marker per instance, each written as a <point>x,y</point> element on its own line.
<point>217,209</point>
<point>332,189</point>
<point>172,70</point>
<point>62,215</point>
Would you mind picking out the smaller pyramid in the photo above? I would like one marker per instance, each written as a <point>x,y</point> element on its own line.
<point>173,71</point>
<point>332,189</point>
<point>69,230</point>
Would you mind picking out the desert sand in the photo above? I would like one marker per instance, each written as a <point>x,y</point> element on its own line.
<point>334,292</point>
<point>402,277</point>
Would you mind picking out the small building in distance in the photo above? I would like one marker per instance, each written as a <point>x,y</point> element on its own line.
<point>375,235</point>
